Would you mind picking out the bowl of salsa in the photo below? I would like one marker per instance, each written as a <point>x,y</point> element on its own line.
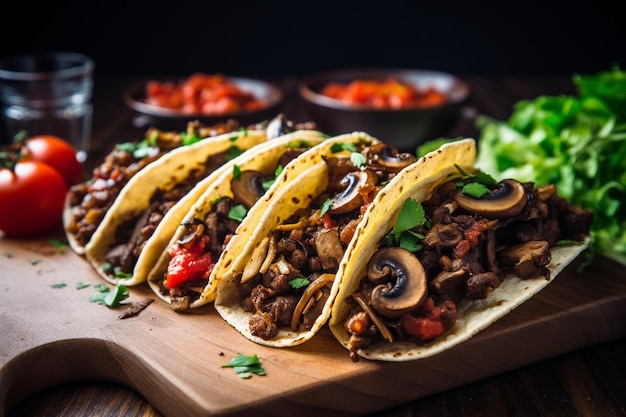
<point>209,98</point>
<point>403,107</point>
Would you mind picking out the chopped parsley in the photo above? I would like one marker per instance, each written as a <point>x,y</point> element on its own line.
<point>411,215</point>
<point>237,212</point>
<point>298,283</point>
<point>237,172</point>
<point>326,206</point>
<point>358,159</point>
<point>245,366</point>
<point>108,297</point>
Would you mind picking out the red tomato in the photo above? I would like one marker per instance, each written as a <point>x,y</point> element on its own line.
<point>31,199</point>
<point>57,153</point>
<point>188,263</point>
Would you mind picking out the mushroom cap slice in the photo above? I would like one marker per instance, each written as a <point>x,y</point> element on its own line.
<point>248,188</point>
<point>507,200</point>
<point>387,158</point>
<point>351,198</point>
<point>402,284</point>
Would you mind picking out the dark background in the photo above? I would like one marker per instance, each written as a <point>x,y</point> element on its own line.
<point>276,38</point>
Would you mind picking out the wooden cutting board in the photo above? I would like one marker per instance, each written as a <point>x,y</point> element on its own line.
<point>51,335</point>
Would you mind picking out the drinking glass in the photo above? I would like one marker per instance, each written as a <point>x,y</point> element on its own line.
<point>48,93</point>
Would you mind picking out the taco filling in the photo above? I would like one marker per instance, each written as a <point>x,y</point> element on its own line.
<point>133,234</point>
<point>89,201</point>
<point>458,245</point>
<point>194,255</point>
<point>286,281</point>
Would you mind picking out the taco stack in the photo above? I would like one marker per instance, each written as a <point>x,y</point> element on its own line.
<point>442,256</point>
<point>88,202</point>
<point>140,223</point>
<point>279,289</point>
<point>189,264</point>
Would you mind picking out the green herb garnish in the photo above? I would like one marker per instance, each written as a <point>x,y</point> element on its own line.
<point>59,285</point>
<point>411,215</point>
<point>344,146</point>
<point>358,159</point>
<point>237,212</point>
<point>110,298</point>
<point>298,283</point>
<point>233,152</point>
<point>245,366</point>
<point>266,185</point>
<point>326,206</point>
<point>237,172</point>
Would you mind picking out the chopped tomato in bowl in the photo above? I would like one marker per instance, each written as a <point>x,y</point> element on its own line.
<point>210,98</point>
<point>402,107</point>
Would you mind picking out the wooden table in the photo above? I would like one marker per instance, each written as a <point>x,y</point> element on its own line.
<point>589,380</point>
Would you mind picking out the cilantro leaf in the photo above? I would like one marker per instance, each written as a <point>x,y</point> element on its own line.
<point>326,206</point>
<point>475,189</point>
<point>358,159</point>
<point>298,283</point>
<point>411,215</point>
<point>237,172</point>
<point>110,298</point>
<point>245,366</point>
<point>344,146</point>
<point>237,212</point>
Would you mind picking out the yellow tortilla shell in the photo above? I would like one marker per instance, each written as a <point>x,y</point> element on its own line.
<point>263,158</point>
<point>472,315</point>
<point>165,173</point>
<point>296,192</point>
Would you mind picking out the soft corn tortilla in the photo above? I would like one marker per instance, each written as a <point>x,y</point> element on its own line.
<point>263,158</point>
<point>297,192</point>
<point>472,315</point>
<point>172,168</point>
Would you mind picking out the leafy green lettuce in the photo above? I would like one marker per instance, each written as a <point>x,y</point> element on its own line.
<point>577,143</point>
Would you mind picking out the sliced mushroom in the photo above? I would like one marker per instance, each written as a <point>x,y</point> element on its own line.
<point>329,249</point>
<point>401,279</point>
<point>507,200</point>
<point>526,259</point>
<point>194,227</point>
<point>449,283</point>
<point>257,260</point>
<point>388,158</point>
<point>351,198</point>
<point>309,292</point>
<point>279,126</point>
<point>248,188</point>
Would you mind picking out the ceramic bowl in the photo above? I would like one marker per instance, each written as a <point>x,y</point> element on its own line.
<point>405,127</point>
<point>151,115</point>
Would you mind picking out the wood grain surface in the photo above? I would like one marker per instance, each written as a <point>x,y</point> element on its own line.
<point>52,334</point>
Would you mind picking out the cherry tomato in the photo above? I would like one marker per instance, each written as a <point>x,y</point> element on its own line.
<point>32,197</point>
<point>57,153</point>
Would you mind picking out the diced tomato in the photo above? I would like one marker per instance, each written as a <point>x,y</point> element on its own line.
<point>188,263</point>
<point>390,93</point>
<point>430,320</point>
<point>423,327</point>
<point>327,221</point>
<point>202,94</point>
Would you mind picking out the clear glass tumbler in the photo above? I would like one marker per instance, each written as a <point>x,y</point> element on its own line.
<point>48,93</point>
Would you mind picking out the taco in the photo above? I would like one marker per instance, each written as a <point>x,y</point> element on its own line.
<point>188,266</point>
<point>279,289</point>
<point>441,258</point>
<point>88,202</point>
